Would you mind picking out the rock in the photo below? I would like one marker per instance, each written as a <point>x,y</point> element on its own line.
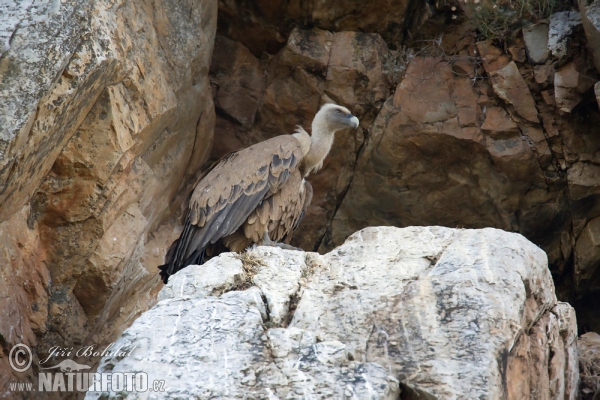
<point>541,73</point>
<point>241,81</point>
<point>264,26</point>
<point>536,42</point>
<point>394,177</point>
<point>510,86</point>
<point>437,310</point>
<point>562,25</point>
<point>107,115</point>
<point>590,19</point>
<point>569,86</point>
<point>588,347</point>
<point>492,57</point>
<point>25,284</point>
<point>498,124</point>
<point>42,42</point>
<point>587,251</point>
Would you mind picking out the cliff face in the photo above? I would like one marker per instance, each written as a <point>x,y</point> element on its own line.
<point>458,128</point>
<point>107,116</point>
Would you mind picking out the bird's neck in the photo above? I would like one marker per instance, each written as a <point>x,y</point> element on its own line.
<point>320,145</point>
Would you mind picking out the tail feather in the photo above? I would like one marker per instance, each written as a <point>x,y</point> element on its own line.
<point>171,265</point>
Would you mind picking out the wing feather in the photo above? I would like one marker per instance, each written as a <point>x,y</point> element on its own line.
<point>229,192</point>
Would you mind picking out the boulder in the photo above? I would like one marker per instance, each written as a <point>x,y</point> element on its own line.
<point>509,85</point>
<point>435,312</point>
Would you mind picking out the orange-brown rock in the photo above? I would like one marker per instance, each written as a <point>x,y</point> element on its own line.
<point>485,172</point>
<point>569,86</point>
<point>105,144</point>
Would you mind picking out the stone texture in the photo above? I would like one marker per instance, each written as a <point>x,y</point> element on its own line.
<point>590,19</point>
<point>263,26</point>
<point>106,118</point>
<point>562,26</point>
<point>510,86</point>
<point>445,312</point>
<point>498,124</point>
<point>23,292</point>
<point>569,86</point>
<point>536,42</point>
<point>406,164</point>
<point>241,81</point>
<point>39,115</point>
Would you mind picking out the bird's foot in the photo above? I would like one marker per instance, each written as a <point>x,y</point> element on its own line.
<point>266,241</point>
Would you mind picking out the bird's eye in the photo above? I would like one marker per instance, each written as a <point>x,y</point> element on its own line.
<point>338,112</point>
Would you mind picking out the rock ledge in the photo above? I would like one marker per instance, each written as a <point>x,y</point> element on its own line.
<point>435,311</point>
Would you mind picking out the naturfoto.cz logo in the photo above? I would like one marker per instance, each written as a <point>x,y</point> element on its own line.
<point>69,376</point>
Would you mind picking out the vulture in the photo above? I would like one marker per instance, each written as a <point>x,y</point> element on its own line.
<point>257,195</point>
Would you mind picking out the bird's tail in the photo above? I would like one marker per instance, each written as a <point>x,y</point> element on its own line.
<point>171,265</point>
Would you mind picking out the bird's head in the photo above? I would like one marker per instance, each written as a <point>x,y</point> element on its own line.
<point>333,118</point>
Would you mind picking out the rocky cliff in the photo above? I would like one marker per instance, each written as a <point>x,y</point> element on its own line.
<point>432,312</point>
<point>467,119</point>
<point>473,115</point>
<point>106,118</point>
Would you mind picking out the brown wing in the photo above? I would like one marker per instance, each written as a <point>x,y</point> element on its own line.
<point>226,196</point>
<point>281,213</point>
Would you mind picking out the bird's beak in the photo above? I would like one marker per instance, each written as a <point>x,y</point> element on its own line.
<point>354,121</point>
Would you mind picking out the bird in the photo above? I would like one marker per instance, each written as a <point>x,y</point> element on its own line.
<point>257,195</point>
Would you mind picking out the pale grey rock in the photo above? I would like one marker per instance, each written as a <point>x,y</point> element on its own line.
<point>212,278</point>
<point>590,18</point>
<point>561,27</point>
<point>457,301</point>
<point>39,40</point>
<point>445,312</point>
<point>536,42</point>
<point>35,38</point>
<point>279,279</point>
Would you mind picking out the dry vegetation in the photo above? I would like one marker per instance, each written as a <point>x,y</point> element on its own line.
<point>497,19</point>
<point>589,365</point>
<point>251,264</point>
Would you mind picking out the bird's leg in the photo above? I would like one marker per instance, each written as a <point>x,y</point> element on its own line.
<point>266,241</point>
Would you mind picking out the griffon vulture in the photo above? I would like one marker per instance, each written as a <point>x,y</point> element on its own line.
<point>256,195</point>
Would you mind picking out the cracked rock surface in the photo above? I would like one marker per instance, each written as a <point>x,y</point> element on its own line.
<point>427,310</point>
